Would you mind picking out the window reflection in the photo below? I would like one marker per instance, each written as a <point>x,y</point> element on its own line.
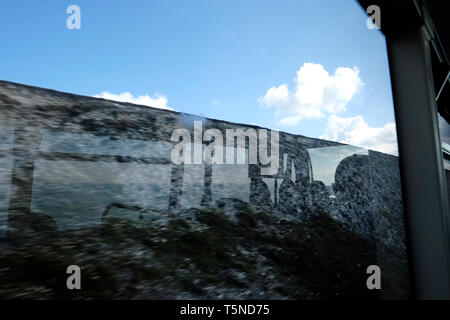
<point>58,183</point>
<point>75,194</point>
<point>91,182</point>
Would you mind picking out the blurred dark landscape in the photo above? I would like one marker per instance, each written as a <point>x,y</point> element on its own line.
<point>202,254</point>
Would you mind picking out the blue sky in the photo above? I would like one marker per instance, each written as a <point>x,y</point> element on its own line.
<point>214,58</point>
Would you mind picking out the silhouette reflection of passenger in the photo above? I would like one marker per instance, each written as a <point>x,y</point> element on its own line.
<point>297,175</point>
<point>260,193</point>
<point>352,190</point>
<point>320,198</point>
<point>288,199</point>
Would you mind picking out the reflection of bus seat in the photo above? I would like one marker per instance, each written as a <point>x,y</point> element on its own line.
<point>232,208</point>
<point>38,226</point>
<point>320,198</point>
<point>352,190</point>
<point>288,197</point>
<point>121,206</point>
<point>231,204</point>
<point>303,196</point>
<point>259,193</point>
<point>297,173</point>
<point>352,180</point>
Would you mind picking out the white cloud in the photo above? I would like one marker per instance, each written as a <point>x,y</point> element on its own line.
<point>315,93</point>
<point>357,132</point>
<point>156,101</point>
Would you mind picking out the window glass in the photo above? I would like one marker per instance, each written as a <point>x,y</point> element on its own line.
<point>75,194</point>
<point>199,150</point>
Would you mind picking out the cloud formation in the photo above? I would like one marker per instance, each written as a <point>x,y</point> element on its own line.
<point>356,131</point>
<point>156,101</point>
<point>316,93</point>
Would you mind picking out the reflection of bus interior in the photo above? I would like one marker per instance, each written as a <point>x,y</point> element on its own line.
<point>87,170</point>
<point>79,163</point>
